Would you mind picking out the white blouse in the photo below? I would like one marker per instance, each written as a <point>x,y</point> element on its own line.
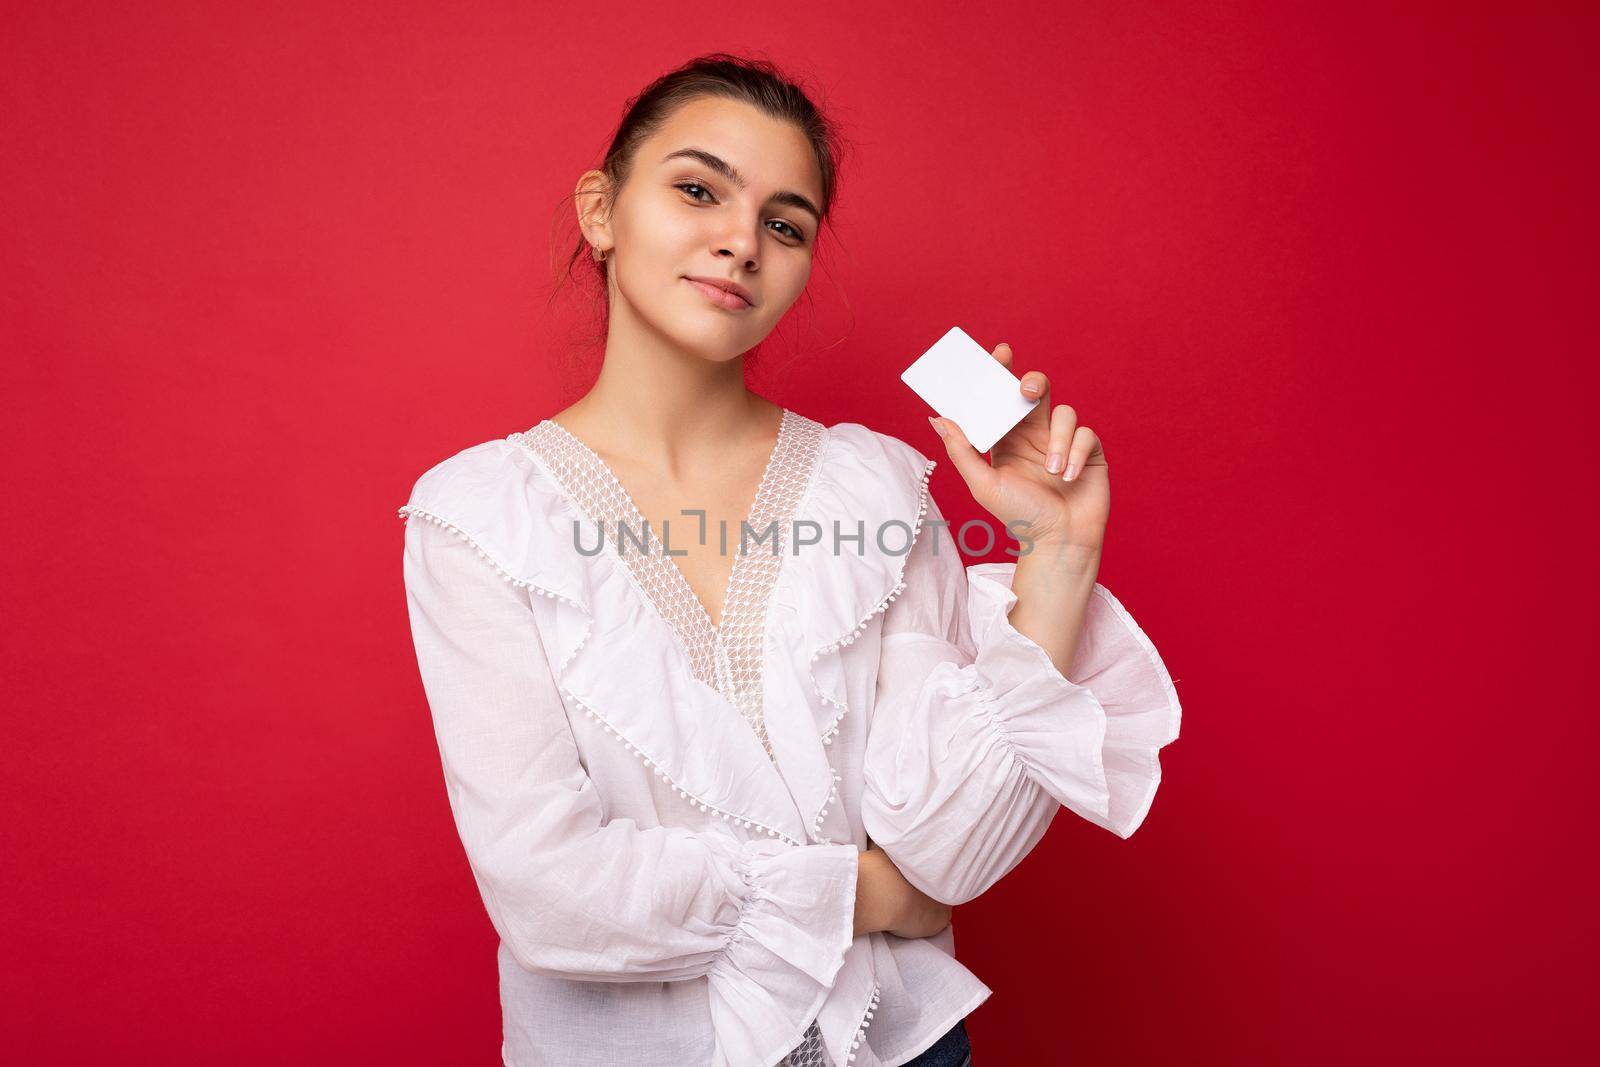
<point>662,815</point>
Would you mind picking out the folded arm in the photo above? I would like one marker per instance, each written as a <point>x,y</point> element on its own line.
<point>977,738</point>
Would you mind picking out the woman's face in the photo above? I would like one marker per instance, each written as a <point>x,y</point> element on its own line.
<point>680,214</point>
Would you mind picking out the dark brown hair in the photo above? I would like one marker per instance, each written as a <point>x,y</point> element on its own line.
<point>753,81</point>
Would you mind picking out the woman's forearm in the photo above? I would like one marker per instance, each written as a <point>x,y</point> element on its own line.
<point>1053,586</point>
<point>886,902</point>
<point>870,910</point>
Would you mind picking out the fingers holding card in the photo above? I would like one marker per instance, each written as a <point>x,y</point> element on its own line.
<point>963,382</point>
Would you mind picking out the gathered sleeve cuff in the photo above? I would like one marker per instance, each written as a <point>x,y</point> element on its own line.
<point>1091,743</point>
<point>977,740</point>
<point>795,922</point>
<point>577,895</point>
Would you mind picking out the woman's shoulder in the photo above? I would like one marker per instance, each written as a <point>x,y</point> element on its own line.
<point>857,451</point>
<point>494,496</point>
<point>483,470</point>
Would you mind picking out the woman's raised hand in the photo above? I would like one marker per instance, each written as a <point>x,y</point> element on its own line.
<point>1048,475</point>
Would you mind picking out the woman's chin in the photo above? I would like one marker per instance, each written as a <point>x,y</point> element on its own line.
<point>715,341</point>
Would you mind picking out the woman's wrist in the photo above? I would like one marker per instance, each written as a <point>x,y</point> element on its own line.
<point>1068,561</point>
<point>874,897</point>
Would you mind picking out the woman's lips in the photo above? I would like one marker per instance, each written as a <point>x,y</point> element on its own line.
<point>720,297</point>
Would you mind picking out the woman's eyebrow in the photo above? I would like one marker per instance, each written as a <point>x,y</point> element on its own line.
<point>726,169</point>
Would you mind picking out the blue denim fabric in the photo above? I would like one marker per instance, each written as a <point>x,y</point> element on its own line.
<point>951,1050</point>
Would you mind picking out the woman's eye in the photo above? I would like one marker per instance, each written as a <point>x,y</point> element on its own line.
<point>796,234</point>
<point>688,187</point>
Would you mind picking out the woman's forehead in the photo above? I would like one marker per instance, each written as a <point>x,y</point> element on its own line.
<point>756,147</point>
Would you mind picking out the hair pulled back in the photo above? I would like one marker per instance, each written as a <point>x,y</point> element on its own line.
<point>753,81</point>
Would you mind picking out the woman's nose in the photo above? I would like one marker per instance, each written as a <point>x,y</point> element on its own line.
<point>742,244</point>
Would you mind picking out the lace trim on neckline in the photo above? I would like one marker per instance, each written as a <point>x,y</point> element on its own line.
<point>729,658</point>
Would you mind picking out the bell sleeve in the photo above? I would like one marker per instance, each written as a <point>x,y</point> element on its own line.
<point>977,739</point>
<point>575,894</point>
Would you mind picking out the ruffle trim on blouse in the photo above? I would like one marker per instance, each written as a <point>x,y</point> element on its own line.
<point>411,510</point>
<point>1092,744</point>
<point>500,499</point>
<point>825,599</point>
<point>896,573</point>
<point>782,957</point>
<point>866,1021</point>
<point>643,756</point>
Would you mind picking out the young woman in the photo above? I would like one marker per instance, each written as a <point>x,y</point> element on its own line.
<point>719,802</point>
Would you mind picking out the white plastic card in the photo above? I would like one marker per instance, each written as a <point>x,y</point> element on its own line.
<point>965,384</point>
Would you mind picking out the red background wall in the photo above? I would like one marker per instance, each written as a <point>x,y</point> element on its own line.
<point>1321,276</point>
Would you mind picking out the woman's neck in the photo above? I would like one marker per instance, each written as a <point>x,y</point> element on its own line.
<point>682,417</point>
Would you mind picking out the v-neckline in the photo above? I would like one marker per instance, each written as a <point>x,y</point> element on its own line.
<point>636,519</point>
<point>728,656</point>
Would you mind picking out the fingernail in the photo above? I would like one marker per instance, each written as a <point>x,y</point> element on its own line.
<point>1053,464</point>
<point>1072,472</point>
<point>938,427</point>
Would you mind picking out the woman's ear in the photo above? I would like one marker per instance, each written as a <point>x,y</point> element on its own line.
<point>593,205</point>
